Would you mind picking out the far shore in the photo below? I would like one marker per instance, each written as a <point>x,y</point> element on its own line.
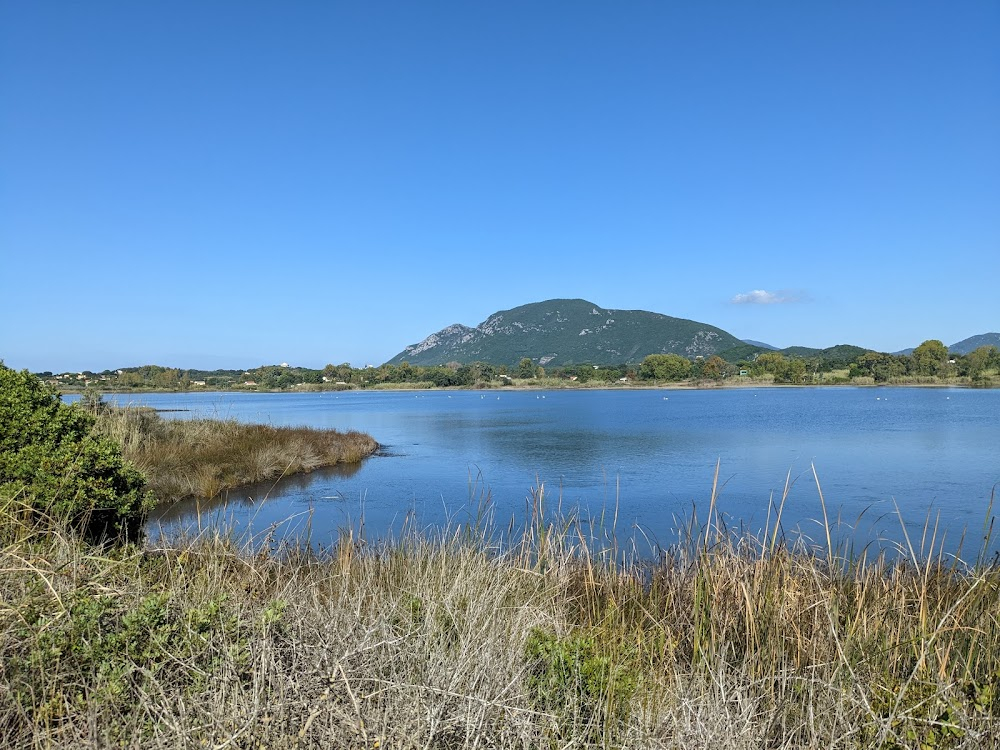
<point>549,386</point>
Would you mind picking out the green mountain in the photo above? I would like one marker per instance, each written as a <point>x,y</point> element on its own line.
<point>974,342</point>
<point>567,332</point>
<point>745,352</point>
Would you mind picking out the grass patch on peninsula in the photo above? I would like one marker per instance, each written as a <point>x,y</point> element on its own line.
<point>202,457</point>
<point>477,637</point>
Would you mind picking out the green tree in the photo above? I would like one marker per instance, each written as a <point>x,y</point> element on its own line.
<point>878,366</point>
<point>664,367</point>
<point>345,373</point>
<point>464,375</point>
<point>50,457</point>
<point>980,360</point>
<point>483,372</point>
<point>526,369</point>
<point>792,371</point>
<point>770,363</point>
<point>930,358</point>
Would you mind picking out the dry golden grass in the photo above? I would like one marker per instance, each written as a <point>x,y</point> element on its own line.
<point>203,457</point>
<point>473,639</point>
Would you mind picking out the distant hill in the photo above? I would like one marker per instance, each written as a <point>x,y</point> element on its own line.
<point>974,342</point>
<point>841,352</point>
<point>743,353</point>
<point>966,345</point>
<point>833,356</point>
<point>567,332</point>
<point>760,344</point>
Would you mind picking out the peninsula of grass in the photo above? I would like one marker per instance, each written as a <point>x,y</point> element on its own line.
<point>184,458</point>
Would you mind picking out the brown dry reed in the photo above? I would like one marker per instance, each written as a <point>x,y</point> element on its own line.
<point>547,637</point>
<point>203,457</point>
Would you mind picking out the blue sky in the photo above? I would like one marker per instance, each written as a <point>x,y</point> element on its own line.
<point>240,183</point>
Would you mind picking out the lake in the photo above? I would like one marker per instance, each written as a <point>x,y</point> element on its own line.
<point>647,455</point>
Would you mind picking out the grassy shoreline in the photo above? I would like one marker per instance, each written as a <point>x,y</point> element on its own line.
<point>461,639</point>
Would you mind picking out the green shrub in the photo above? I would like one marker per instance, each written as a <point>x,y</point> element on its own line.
<point>51,459</point>
<point>587,690</point>
<point>108,652</point>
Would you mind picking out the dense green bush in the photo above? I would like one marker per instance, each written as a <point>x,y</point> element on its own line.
<point>50,458</point>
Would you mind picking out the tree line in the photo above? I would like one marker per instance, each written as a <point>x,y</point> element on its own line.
<point>929,362</point>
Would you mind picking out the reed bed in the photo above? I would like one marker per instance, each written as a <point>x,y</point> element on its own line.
<point>474,638</point>
<point>203,457</point>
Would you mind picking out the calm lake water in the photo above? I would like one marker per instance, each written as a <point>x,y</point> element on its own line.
<point>649,453</point>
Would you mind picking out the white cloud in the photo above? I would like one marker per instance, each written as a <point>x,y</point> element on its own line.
<point>764,297</point>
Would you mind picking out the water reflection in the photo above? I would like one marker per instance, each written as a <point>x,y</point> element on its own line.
<point>244,500</point>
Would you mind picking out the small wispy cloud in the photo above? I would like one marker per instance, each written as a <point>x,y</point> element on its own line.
<point>764,297</point>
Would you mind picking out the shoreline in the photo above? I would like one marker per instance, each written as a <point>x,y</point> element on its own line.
<point>680,386</point>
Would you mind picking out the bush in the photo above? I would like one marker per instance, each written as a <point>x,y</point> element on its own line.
<point>582,687</point>
<point>50,458</point>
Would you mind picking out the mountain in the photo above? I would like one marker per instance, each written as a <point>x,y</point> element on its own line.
<point>974,342</point>
<point>760,344</point>
<point>566,332</point>
<point>744,352</point>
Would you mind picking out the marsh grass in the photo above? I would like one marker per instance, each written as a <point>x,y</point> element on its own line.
<point>478,637</point>
<point>203,457</point>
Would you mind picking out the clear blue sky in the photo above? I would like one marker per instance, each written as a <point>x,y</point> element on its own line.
<point>238,183</point>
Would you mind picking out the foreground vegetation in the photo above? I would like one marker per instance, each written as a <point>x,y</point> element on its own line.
<point>466,640</point>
